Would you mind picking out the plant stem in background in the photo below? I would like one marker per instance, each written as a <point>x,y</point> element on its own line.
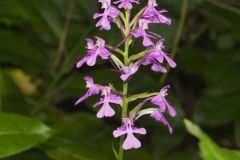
<point>177,37</point>
<point>125,84</point>
<point>64,34</point>
<point>224,6</point>
<point>1,84</point>
<point>60,50</point>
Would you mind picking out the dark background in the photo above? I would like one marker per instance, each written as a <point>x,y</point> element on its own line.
<point>41,40</point>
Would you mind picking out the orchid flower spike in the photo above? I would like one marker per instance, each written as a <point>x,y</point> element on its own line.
<point>128,64</point>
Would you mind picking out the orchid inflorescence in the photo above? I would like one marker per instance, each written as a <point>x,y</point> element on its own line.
<point>153,55</point>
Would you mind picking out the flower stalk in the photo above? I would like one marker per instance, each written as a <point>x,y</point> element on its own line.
<point>125,84</point>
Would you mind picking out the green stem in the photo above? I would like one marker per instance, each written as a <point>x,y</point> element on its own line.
<point>1,95</point>
<point>224,6</point>
<point>125,84</point>
<point>64,34</point>
<point>138,55</point>
<point>134,21</point>
<point>115,49</point>
<point>177,37</point>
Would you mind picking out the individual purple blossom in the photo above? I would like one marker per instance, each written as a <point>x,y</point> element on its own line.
<point>162,103</point>
<point>94,50</point>
<point>105,3</point>
<point>109,14</point>
<point>152,15</point>
<point>128,71</point>
<point>141,32</point>
<point>158,116</point>
<point>106,110</point>
<point>159,55</point>
<point>93,89</point>
<point>128,128</point>
<point>126,3</point>
<point>152,59</point>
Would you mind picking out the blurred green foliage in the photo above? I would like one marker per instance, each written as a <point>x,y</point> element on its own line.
<point>36,84</point>
<point>209,150</point>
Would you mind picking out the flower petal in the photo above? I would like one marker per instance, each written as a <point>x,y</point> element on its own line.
<point>158,68</point>
<point>105,111</point>
<point>115,99</point>
<point>170,61</point>
<point>92,60</point>
<point>139,130</point>
<point>160,102</point>
<point>120,131</point>
<point>131,142</point>
<point>81,62</point>
<point>171,110</point>
<point>85,96</point>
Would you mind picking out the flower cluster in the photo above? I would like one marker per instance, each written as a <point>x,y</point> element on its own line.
<point>118,12</point>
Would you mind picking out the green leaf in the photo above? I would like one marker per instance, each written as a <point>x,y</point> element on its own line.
<point>80,136</point>
<point>185,155</point>
<point>237,133</point>
<point>19,133</point>
<point>216,111</point>
<point>209,149</point>
<point>32,154</point>
<point>115,151</point>
<point>163,143</point>
<point>22,53</point>
<point>140,154</point>
<point>43,17</point>
<point>9,91</point>
<point>65,149</point>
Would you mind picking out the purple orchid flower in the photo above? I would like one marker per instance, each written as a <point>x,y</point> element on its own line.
<point>94,50</point>
<point>153,16</point>
<point>126,3</point>
<point>93,89</point>
<point>152,59</point>
<point>128,128</point>
<point>141,32</point>
<point>159,55</point>
<point>128,71</point>
<point>158,116</point>
<point>109,14</point>
<point>162,103</point>
<point>106,110</point>
<point>105,3</point>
